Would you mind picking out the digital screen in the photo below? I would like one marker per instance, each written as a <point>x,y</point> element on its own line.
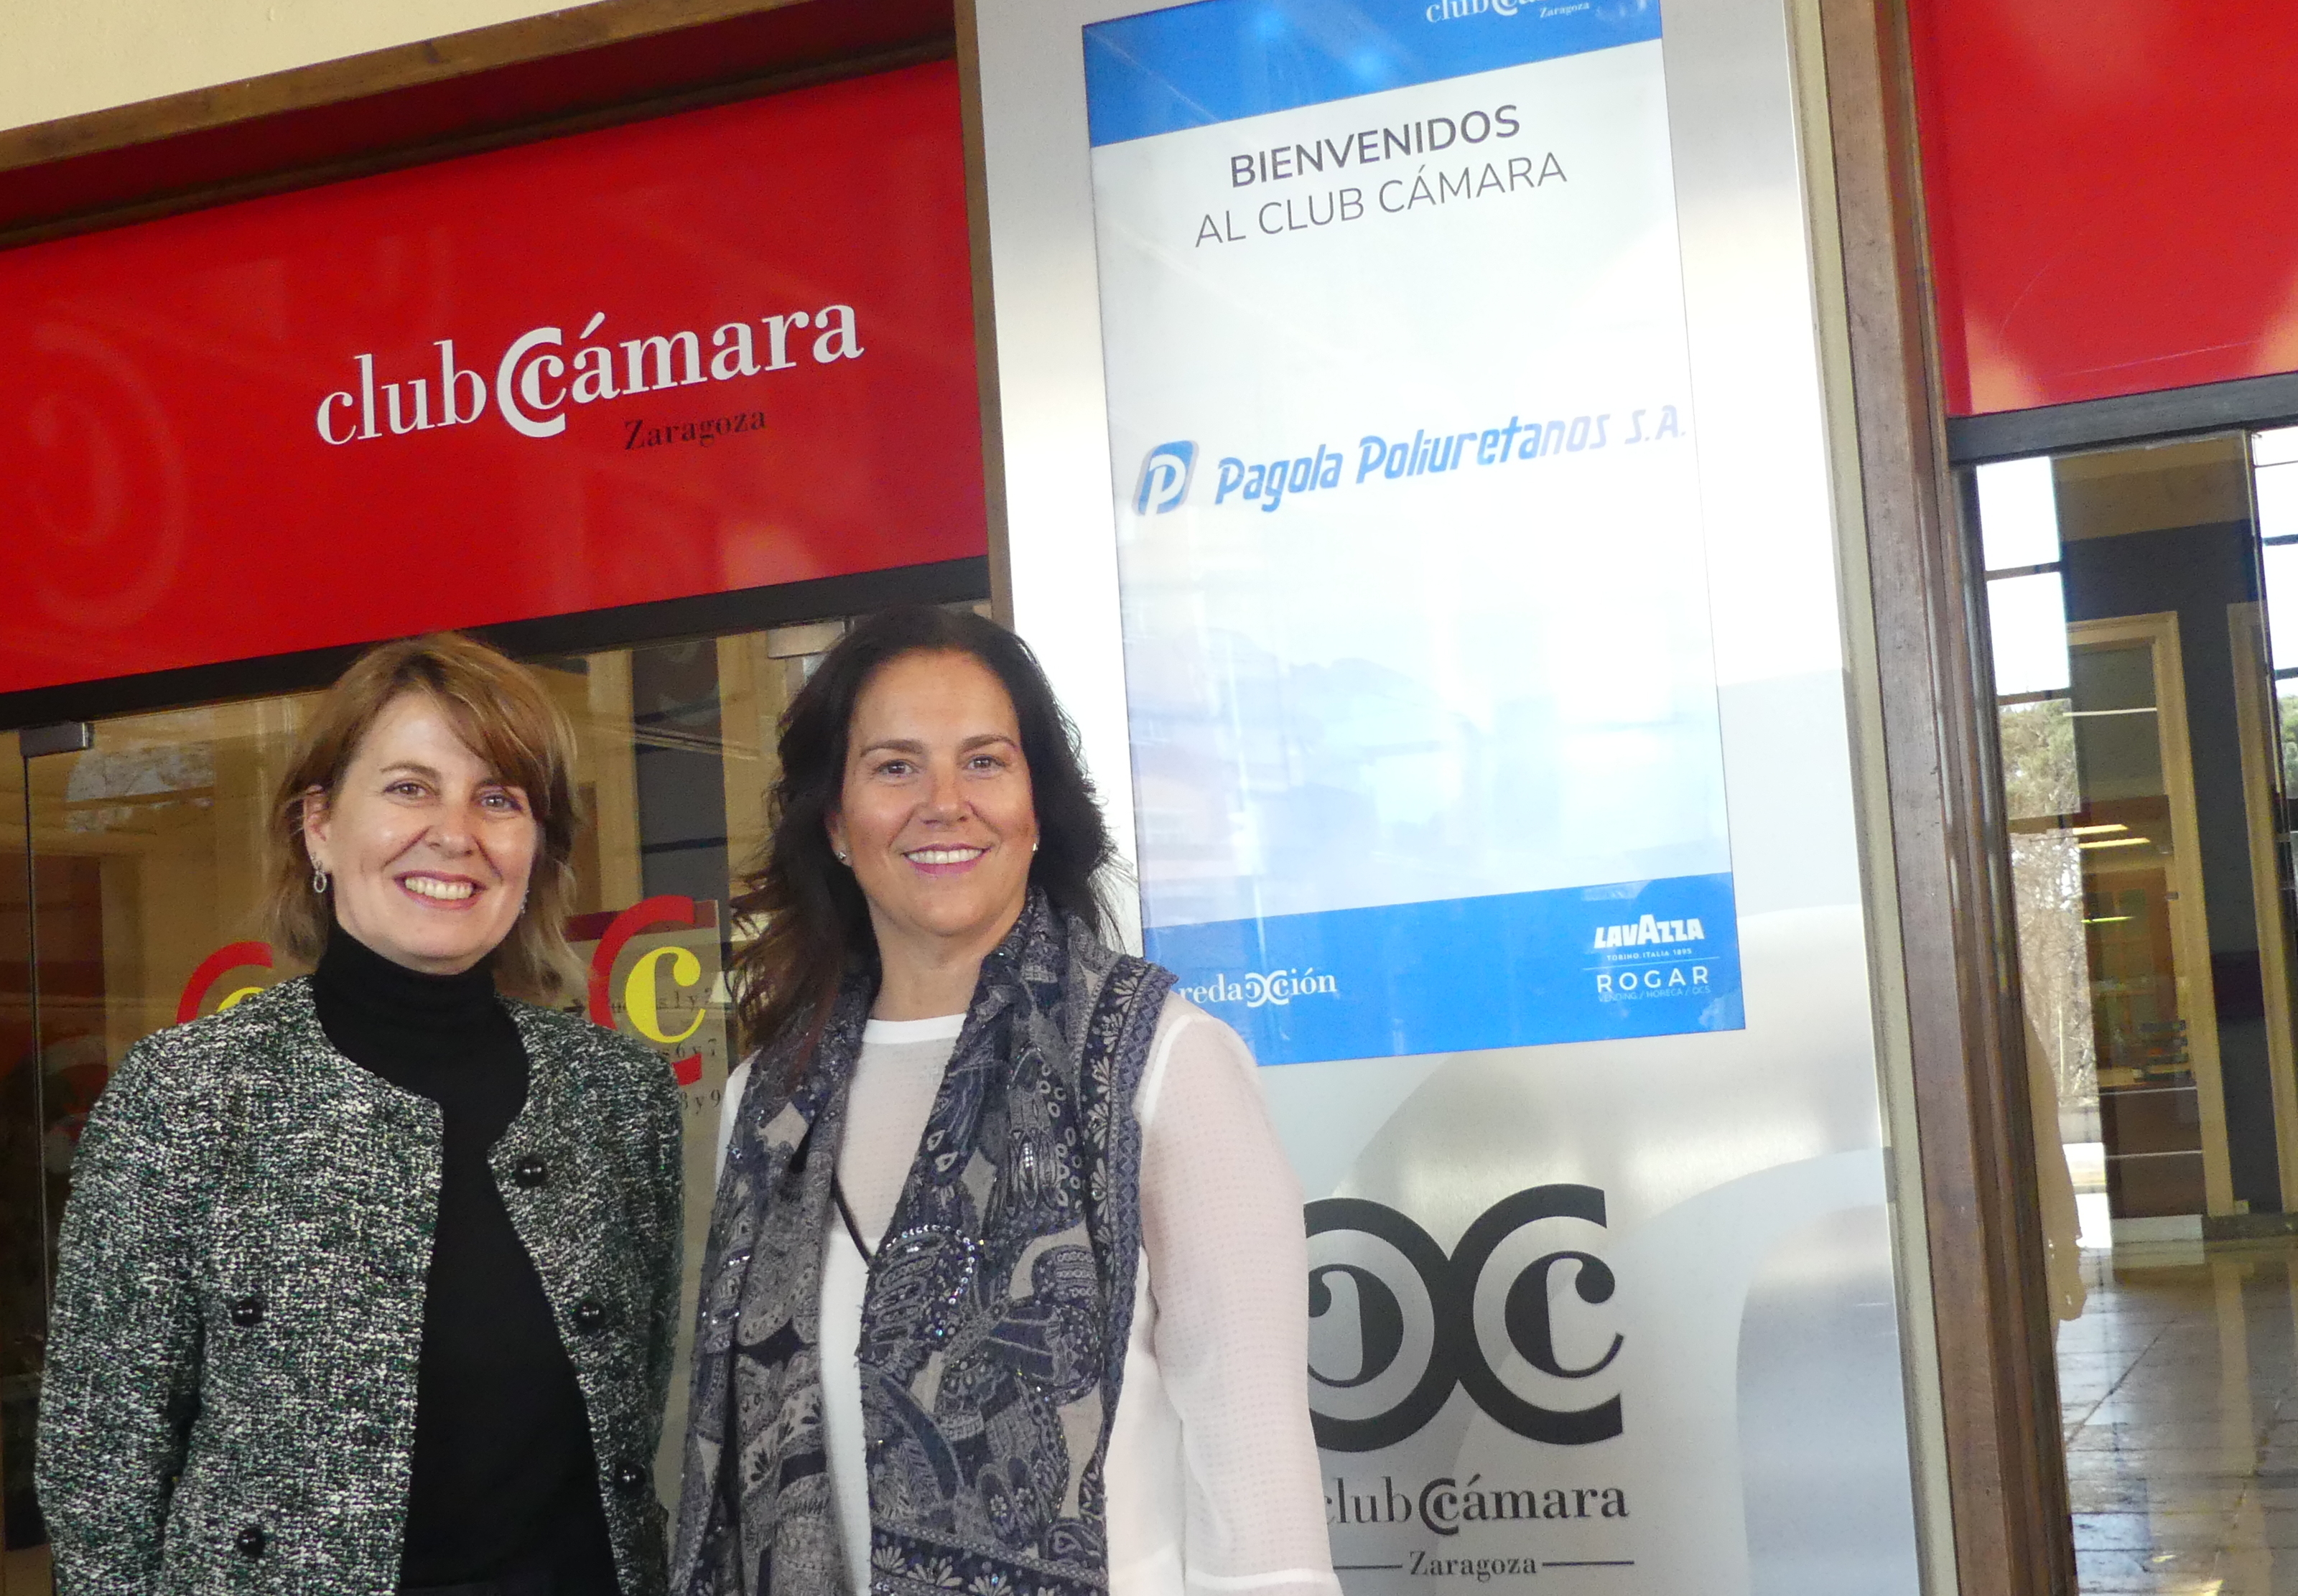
<point>1418,665</point>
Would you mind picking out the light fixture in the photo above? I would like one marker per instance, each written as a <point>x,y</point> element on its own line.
<point>2087,830</point>
<point>2120,842</point>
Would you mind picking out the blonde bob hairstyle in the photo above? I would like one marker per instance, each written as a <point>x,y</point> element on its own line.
<point>503,713</point>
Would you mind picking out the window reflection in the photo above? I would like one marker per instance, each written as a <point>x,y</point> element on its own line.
<point>2018,514</point>
<point>146,850</point>
<point>2042,788</point>
<point>2028,616</point>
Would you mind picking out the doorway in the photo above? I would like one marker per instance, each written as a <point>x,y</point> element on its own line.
<point>2134,595</point>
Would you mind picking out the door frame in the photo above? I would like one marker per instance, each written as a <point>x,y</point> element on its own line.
<point>2190,935</point>
<point>1947,868</point>
<point>2259,730</point>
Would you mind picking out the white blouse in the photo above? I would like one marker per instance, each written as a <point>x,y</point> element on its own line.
<point>1213,1471</point>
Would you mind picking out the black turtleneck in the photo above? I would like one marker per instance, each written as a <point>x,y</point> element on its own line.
<point>502,1479</point>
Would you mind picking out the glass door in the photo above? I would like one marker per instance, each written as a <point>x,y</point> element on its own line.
<point>132,857</point>
<point>2132,599</point>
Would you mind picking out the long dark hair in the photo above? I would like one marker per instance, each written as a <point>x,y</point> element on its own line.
<point>817,922</point>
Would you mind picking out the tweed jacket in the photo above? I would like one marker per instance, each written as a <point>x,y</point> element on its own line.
<point>229,1397</point>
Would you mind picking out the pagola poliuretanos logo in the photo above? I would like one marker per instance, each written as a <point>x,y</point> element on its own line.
<point>534,381</point>
<point>1165,476</point>
<point>1390,455</point>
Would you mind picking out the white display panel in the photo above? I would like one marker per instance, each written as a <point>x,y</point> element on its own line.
<point>1653,1273</point>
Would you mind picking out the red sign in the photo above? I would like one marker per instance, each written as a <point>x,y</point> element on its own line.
<point>2111,208</point>
<point>711,351</point>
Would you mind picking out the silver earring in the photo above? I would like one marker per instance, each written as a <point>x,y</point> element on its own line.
<point>1033,846</point>
<point>846,861</point>
<point>319,880</point>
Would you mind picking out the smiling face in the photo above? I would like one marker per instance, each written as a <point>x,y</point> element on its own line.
<point>936,816</point>
<point>429,852</point>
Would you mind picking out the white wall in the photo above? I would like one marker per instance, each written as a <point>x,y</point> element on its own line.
<point>62,58</point>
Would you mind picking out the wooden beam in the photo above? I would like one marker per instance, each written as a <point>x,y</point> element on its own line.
<point>2006,1476</point>
<point>356,76</point>
<point>475,91</point>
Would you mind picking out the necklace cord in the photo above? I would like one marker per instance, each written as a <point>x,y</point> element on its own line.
<point>846,1212</point>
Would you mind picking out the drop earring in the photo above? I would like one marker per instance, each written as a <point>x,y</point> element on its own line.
<point>319,880</point>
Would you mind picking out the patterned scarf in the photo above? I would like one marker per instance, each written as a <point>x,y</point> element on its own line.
<point>995,1319</point>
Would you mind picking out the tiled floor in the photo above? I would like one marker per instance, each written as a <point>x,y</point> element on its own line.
<point>2179,1390</point>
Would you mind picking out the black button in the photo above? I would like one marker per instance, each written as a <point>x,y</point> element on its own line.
<point>590,1315</point>
<point>629,1478</point>
<point>529,1171</point>
<point>250,1540</point>
<point>247,1312</point>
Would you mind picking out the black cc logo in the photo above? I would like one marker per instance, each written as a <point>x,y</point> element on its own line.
<point>1413,1301</point>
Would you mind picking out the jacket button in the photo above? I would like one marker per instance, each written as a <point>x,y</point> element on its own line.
<point>247,1312</point>
<point>529,1171</point>
<point>250,1540</point>
<point>590,1315</point>
<point>629,1478</point>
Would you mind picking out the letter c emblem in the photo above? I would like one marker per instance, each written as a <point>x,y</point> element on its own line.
<point>639,992</point>
<point>510,380</point>
<point>1449,1287</point>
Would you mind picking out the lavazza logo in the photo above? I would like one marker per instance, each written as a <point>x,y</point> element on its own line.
<point>538,377</point>
<point>1648,931</point>
<point>1651,956</point>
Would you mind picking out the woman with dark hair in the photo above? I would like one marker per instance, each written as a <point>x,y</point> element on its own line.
<point>1006,1288</point>
<point>369,1283</point>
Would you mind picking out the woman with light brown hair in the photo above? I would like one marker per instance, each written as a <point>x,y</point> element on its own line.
<point>369,1283</point>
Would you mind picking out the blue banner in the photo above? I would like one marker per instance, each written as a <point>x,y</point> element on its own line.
<point>1580,963</point>
<point>1426,756</point>
<point>1193,66</point>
